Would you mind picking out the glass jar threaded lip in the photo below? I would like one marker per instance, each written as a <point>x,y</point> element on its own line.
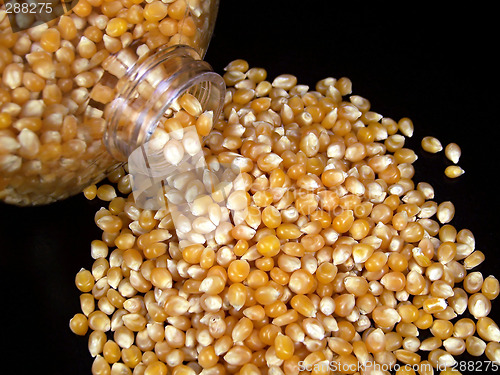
<point>150,87</point>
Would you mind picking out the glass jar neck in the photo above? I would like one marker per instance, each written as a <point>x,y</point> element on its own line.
<point>146,87</point>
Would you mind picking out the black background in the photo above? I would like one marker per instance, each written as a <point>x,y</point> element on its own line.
<point>436,65</point>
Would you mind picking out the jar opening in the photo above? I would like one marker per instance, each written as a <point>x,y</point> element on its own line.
<point>202,87</point>
<point>148,91</point>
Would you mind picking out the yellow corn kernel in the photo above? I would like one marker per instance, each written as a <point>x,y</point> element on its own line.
<point>269,246</point>
<point>79,324</point>
<point>453,171</point>
<point>82,9</point>
<point>237,295</point>
<point>242,330</point>
<point>288,231</point>
<point>84,281</point>
<point>490,287</point>
<point>207,358</point>
<point>238,270</point>
<point>326,272</point>
<point>301,282</point>
<point>271,217</point>
<point>283,346</point>
<point>192,253</point>
<point>5,120</point>
<point>303,305</point>
<point>90,192</point>
<point>453,152</point>
<point>50,40</point>
<point>116,27</point>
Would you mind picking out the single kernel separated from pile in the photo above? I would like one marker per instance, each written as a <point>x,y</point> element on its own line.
<point>431,144</point>
<point>453,152</point>
<point>453,171</point>
<point>341,257</point>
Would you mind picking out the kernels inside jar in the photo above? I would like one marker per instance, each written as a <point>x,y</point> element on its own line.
<point>51,72</point>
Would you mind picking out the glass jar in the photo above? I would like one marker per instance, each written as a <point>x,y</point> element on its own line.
<point>81,92</point>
